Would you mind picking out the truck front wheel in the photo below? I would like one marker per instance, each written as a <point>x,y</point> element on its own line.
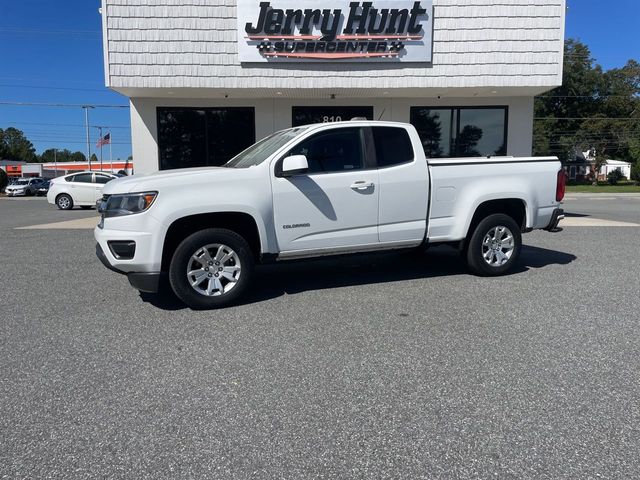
<point>494,246</point>
<point>211,268</point>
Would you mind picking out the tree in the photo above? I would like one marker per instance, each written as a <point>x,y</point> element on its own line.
<point>77,157</point>
<point>94,159</point>
<point>467,141</point>
<point>429,129</point>
<point>593,109</point>
<point>615,176</point>
<point>15,146</point>
<point>50,155</point>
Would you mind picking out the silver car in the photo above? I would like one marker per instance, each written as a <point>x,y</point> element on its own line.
<point>23,187</point>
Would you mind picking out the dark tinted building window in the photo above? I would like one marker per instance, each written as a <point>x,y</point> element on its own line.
<point>197,137</point>
<point>333,151</point>
<point>461,132</point>
<point>393,146</point>
<point>309,115</point>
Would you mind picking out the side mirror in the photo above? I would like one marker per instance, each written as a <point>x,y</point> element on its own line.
<point>294,165</point>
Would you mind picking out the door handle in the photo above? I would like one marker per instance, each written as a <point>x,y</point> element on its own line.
<point>361,185</point>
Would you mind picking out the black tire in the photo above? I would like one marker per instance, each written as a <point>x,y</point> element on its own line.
<point>476,251</point>
<point>64,201</point>
<point>183,260</point>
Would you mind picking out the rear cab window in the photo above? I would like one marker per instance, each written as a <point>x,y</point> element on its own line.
<point>393,146</point>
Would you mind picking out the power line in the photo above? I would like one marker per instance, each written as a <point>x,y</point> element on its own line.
<point>65,142</point>
<point>62,105</point>
<point>105,89</point>
<point>45,137</point>
<point>41,31</point>
<point>66,124</point>
<point>22,79</point>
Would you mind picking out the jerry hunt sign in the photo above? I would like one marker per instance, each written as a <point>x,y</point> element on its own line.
<point>376,31</point>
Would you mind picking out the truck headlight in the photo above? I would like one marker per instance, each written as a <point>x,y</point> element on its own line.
<point>126,204</point>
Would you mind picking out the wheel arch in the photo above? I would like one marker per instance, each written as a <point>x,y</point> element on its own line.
<point>59,194</point>
<point>241,223</point>
<point>516,208</point>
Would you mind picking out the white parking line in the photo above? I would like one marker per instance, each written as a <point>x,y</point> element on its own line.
<point>594,222</point>
<point>79,224</point>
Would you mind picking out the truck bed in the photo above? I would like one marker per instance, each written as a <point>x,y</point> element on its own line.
<point>460,185</point>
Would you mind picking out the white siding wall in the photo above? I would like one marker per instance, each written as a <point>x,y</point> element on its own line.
<point>272,115</point>
<point>193,44</point>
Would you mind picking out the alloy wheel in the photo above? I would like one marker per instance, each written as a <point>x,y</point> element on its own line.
<point>497,246</point>
<point>214,270</point>
<point>63,202</point>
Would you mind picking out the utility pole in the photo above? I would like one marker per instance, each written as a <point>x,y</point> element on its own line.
<point>86,123</point>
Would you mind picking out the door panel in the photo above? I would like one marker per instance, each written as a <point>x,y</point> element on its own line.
<point>404,186</point>
<point>82,189</point>
<point>326,210</point>
<point>404,197</point>
<point>335,204</point>
<point>100,181</point>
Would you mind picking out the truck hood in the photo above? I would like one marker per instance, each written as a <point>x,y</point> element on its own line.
<point>171,178</point>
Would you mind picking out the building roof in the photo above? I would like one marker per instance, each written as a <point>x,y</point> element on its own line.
<point>4,163</point>
<point>618,162</point>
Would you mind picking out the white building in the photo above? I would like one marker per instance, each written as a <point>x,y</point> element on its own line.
<point>206,78</point>
<point>611,165</point>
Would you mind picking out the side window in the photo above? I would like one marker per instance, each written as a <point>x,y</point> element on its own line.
<point>103,179</point>
<point>332,151</point>
<point>81,178</point>
<point>393,146</point>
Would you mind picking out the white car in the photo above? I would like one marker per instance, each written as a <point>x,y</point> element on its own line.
<point>24,187</point>
<point>324,189</point>
<point>82,189</point>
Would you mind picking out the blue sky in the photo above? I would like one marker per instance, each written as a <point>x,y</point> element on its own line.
<point>52,53</point>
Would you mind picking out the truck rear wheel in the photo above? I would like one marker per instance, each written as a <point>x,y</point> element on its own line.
<point>211,268</point>
<point>494,246</point>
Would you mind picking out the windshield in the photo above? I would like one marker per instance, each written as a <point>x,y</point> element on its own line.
<point>22,182</point>
<point>259,152</point>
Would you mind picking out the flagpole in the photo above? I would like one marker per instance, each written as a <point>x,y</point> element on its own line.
<point>101,144</point>
<point>110,152</point>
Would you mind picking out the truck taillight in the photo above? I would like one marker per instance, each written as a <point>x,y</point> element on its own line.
<point>561,185</point>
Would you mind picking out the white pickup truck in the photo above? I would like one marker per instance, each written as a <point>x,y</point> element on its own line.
<point>323,189</point>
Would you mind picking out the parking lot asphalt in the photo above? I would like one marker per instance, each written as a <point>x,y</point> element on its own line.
<point>388,366</point>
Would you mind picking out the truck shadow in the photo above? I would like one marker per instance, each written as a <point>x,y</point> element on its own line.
<point>272,281</point>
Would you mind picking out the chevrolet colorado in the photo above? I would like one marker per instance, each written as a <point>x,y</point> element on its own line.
<point>315,190</point>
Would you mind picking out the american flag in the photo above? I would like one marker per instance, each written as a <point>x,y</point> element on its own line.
<point>106,140</point>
